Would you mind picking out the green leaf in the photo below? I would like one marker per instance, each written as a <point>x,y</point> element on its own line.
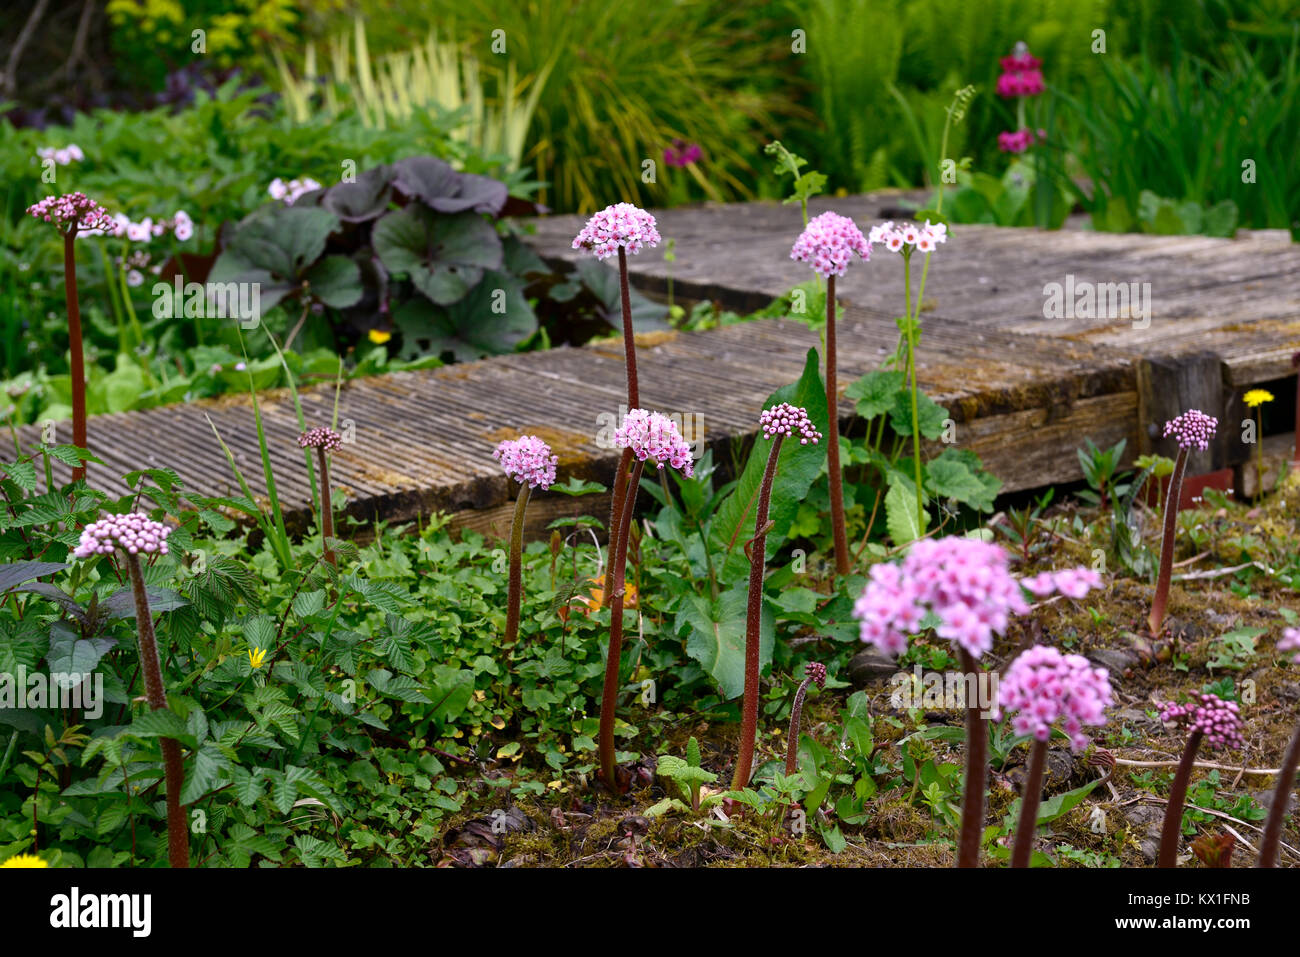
<point>491,319</point>
<point>875,392</point>
<point>444,256</point>
<point>19,572</point>
<point>901,518</point>
<point>335,281</point>
<point>1061,804</point>
<point>717,636</point>
<point>930,415</point>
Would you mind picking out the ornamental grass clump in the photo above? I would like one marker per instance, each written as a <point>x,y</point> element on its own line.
<point>778,423</point>
<point>70,214</point>
<point>528,461</point>
<point>323,440</point>
<point>1193,430</point>
<point>1208,718</point>
<point>623,229</point>
<point>645,437</point>
<point>134,536</point>
<point>967,585</point>
<point>828,244</point>
<point>1290,644</point>
<point>1045,688</point>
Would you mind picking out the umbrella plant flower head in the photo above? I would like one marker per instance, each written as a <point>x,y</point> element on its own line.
<point>528,461</point>
<point>814,674</point>
<point>828,244</point>
<point>323,440</point>
<point>133,535</point>
<point>1289,644</point>
<point>1209,718</point>
<point>778,423</point>
<point>653,437</point>
<point>621,226</point>
<point>967,584</point>
<point>1193,431</point>
<point>72,213</point>
<point>1045,688</point>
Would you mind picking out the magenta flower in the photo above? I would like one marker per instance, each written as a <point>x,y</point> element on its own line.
<point>320,438</point>
<point>654,437</point>
<point>619,225</point>
<point>680,154</point>
<point>1044,686</point>
<point>133,533</point>
<point>1192,429</point>
<point>815,671</point>
<point>1218,720</point>
<point>1021,74</point>
<point>1290,642</point>
<point>72,212</point>
<point>828,244</point>
<point>964,581</point>
<point>527,460</point>
<point>785,419</point>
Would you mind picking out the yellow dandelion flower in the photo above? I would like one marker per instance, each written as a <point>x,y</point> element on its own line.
<point>379,336</point>
<point>1257,397</point>
<point>256,656</point>
<point>24,860</point>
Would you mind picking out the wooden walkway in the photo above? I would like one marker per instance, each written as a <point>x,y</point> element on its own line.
<point>1024,390</point>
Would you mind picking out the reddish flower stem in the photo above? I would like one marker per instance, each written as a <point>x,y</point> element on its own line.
<point>77,361</point>
<point>326,507</point>
<point>516,586</point>
<point>977,745</point>
<point>833,438</point>
<point>1173,825</point>
<point>609,697</point>
<point>616,516</point>
<point>753,622</point>
<point>629,340</point>
<point>1281,798</point>
<point>1157,617</point>
<point>178,837</point>
<point>796,715</point>
<point>1029,802</point>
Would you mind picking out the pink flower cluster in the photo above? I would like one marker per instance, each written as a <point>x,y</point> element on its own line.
<point>1044,686</point>
<point>1192,429</point>
<point>1070,582</point>
<point>71,211</point>
<point>1020,140</point>
<point>290,191</point>
<point>902,239</point>
<point>1290,642</point>
<point>1218,720</point>
<point>132,532</point>
<point>62,157</point>
<point>680,154</point>
<point>964,581</point>
<point>785,419</point>
<point>619,225</point>
<point>320,438</point>
<point>828,244</point>
<point>654,436</point>
<point>527,460</point>
<point>148,229</point>
<point>1021,74</point>
<point>817,672</point>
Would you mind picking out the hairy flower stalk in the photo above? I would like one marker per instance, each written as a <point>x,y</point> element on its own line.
<point>777,422</point>
<point>649,437</point>
<point>70,214</point>
<point>1042,687</point>
<point>1192,429</point>
<point>1208,718</point>
<point>967,584</point>
<point>1286,779</point>
<point>528,461</point>
<point>323,440</point>
<point>626,229</point>
<point>828,245</point>
<point>814,674</point>
<point>134,535</point>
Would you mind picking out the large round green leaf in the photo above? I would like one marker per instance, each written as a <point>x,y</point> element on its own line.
<point>444,256</point>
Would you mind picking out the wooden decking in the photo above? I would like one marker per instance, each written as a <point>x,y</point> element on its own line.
<point>1024,390</point>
